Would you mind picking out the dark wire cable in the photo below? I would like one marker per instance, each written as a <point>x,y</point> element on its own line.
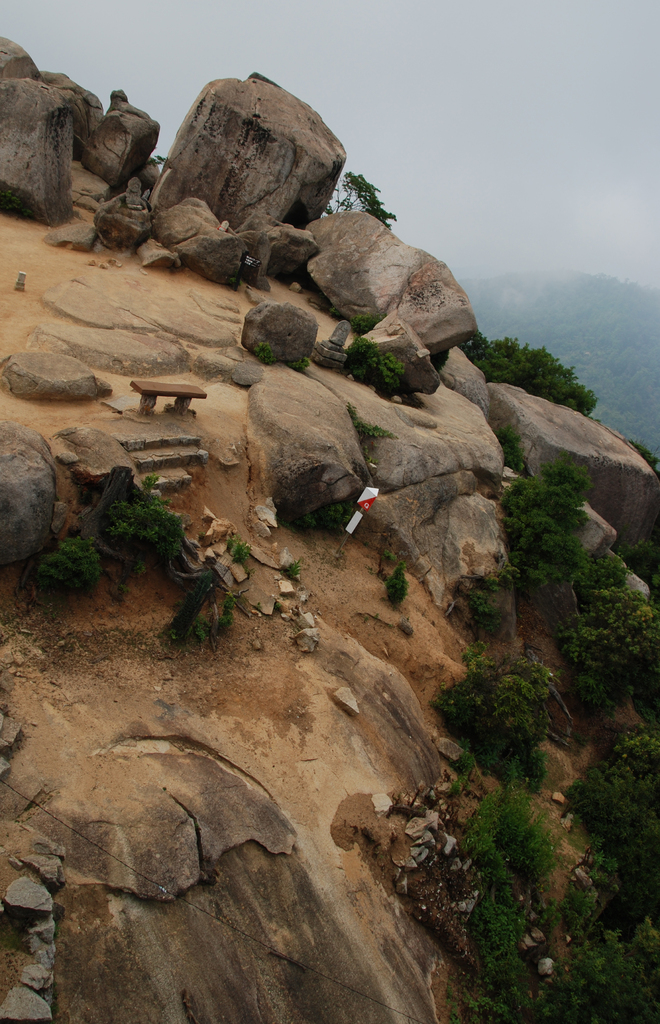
<point>216,916</point>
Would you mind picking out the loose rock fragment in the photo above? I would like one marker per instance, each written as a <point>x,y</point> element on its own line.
<point>345,699</point>
<point>308,640</point>
<point>22,1004</point>
<point>26,900</point>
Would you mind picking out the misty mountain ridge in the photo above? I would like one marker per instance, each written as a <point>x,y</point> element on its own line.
<point>608,329</point>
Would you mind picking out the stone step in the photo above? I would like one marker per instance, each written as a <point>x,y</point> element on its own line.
<point>170,460</point>
<point>172,482</point>
<point>140,444</point>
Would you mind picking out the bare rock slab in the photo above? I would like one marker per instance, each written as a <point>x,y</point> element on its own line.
<point>625,490</point>
<point>25,1006</point>
<point>86,108</point>
<point>122,352</point>
<point>47,375</point>
<point>459,374</point>
<point>27,491</point>
<point>124,303</point>
<point>249,147</point>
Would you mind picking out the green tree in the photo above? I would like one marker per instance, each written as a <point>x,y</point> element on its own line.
<point>506,361</point>
<point>354,192</point>
<point>542,513</point>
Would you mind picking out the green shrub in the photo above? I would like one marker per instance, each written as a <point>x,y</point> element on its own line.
<point>368,364</point>
<point>365,429</point>
<point>619,803</point>
<point>264,352</point>
<point>293,570</point>
<point>149,482</point>
<point>329,517</point>
<point>75,564</point>
<point>505,838</point>
<point>226,619</point>
<point>364,322</point>
<point>438,359</point>
<point>12,204</point>
<point>542,513</point>
<point>578,910</point>
<point>396,585</point>
<point>608,982</point>
<point>514,456</point>
<point>615,646</point>
<point>238,549</point>
<point>598,574</point>
<point>500,710</point>
<point>144,517</point>
<point>506,361</point>
<point>646,454</point>
<point>484,612</point>
<point>298,364</point>
<point>643,559</point>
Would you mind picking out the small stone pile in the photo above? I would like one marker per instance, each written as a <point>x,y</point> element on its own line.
<point>30,906</point>
<point>331,353</point>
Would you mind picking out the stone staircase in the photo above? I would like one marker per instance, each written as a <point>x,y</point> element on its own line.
<point>166,455</point>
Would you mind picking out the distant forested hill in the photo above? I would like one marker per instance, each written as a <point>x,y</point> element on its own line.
<point>609,330</point>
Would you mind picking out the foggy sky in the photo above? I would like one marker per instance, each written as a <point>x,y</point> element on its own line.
<point>507,135</point>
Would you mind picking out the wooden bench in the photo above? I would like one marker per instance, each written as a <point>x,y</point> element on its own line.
<point>150,390</point>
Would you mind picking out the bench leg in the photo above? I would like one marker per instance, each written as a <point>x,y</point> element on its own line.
<point>147,404</point>
<point>181,405</point>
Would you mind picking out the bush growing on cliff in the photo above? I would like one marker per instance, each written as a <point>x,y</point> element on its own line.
<point>396,584</point>
<point>514,456</point>
<point>506,361</point>
<point>354,192</point>
<point>500,710</point>
<point>542,513</point>
<point>615,646</point>
<point>368,364</point>
<point>75,565</point>
<point>330,517</point>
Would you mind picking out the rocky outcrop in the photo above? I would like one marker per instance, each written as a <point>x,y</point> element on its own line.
<point>363,268</point>
<point>556,604</point>
<point>447,436</point>
<point>44,375</point>
<point>86,108</point>
<point>116,303</point>
<point>290,249</point>
<point>396,336</point>
<point>186,220</point>
<point>249,147</point>
<point>460,375</point>
<point>596,536</point>
<point>35,148</point>
<point>153,254</point>
<point>122,141</point>
<point>97,453</point>
<point>625,491</point>
<point>15,62</point>
<point>27,491</point>
<point>124,222</point>
<point>87,189</point>
<point>303,447</point>
<point>122,352</point>
<point>290,331</point>
<point>78,236</point>
<point>215,257</point>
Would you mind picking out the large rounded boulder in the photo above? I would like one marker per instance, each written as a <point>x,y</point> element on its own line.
<point>363,268</point>
<point>15,62</point>
<point>48,375</point>
<point>27,491</point>
<point>248,147</point>
<point>35,148</point>
<point>290,332</point>
<point>86,108</point>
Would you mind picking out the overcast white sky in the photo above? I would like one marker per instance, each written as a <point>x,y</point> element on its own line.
<point>505,134</point>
